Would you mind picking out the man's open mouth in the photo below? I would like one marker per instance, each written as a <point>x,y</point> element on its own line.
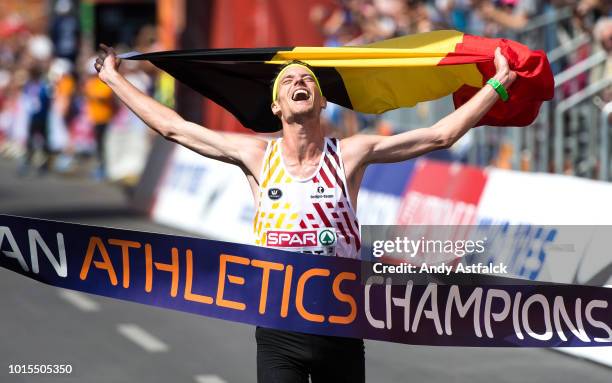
<point>300,95</point>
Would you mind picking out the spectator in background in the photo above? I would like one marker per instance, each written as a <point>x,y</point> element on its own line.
<point>513,16</point>
<point>342,24</point>
<point>509,14</point>
<point>463,15</point>
<point>99,107</point>
<point>62,107</point>
<point>5,81</point>
<point>455,13</point>
<point>65,31</point>
<point>602,32</point>
<point>38,95</point>
<point>602,8</point>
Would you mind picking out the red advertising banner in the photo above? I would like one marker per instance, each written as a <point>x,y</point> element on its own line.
<point>442,193</point>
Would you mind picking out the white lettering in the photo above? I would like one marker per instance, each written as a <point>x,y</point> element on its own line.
<point>375,279</point>
<point>430,291</point>
<point>474,299</point>
<point>595,323</point>
<point>548,333</point>
<point>498,317</point>
<point>61,267</point>
<point>14,252</point>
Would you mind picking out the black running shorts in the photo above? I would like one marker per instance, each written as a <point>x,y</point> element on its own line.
<point>284,357</point>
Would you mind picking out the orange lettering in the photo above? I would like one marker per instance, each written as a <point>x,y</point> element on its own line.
<point>286,291</point>
<point>125,253</point>
<point>188,294</point>
<point>148,268</point>
<point>299,295</point>
<point>265,280</point>
<point>104,265</point>
<point>223,260</point>
<point>342,297</point>
<point>172,268</point>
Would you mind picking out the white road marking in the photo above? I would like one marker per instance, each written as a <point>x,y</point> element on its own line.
<point>142,338</point>
<point>208,379</point>
<point>80,300</point>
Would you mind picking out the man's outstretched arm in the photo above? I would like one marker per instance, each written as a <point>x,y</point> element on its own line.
<point>361,150</point>
<point>241,150</point>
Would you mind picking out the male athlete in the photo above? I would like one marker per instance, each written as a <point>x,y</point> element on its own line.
<point>305,189</point>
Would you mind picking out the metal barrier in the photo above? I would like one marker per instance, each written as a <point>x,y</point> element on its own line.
<point>534,33</point>
<point>604,149</point>
<point>558,14</point>
<point>581,67</point>
<point>565,49</point>
<point>537,135</point>
<point>540,147</point>
<point>534,139</point>
<point>543,123</point>
<point>562,107</point>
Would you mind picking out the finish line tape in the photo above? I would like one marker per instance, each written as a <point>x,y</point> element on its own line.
<point>301,292</point>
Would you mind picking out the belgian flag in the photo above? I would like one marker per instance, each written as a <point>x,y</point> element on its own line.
<point>373,78</point>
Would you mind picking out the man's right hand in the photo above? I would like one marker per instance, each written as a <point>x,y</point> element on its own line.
<point>107,63</point>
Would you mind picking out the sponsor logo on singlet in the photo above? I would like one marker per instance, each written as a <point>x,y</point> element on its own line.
<point>303,239</point>
<point>327,237</point>
<point>321,193</point>
<point>275,193</point>
<point>292,238</point>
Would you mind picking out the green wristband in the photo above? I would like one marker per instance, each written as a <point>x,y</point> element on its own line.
<point>499,88</point>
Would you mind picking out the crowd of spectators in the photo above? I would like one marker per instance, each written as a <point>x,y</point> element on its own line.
<point>357,22</point>
<point>55,114</point>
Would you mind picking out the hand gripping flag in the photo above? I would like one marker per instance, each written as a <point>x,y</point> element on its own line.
<point>372,78</point>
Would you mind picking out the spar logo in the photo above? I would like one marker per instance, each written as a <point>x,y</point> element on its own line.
<point>304,238</point>
<point>292,238</point>
<point>327,237</point>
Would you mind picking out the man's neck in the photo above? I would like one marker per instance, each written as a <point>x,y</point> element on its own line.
<point>303,143</point>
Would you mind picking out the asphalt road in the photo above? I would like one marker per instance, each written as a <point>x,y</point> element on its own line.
<point>111,341</point>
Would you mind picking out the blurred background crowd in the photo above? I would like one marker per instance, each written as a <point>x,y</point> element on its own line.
<point>55,115</point>
<point>577,37</point>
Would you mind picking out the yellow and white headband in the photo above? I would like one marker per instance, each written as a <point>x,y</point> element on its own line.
<point>280,74</point>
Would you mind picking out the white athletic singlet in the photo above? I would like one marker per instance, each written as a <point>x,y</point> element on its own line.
<point>311,215</point>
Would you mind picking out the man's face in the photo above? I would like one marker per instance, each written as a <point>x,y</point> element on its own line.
<point>298,96</point>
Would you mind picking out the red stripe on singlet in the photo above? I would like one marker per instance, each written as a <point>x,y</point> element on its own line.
<point>335,175</point>
<point>325,178</point>
<point>346,236</point>
<point>321,213</point>
<point>350,226</point>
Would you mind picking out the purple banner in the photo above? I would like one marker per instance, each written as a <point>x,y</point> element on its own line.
<point>301,292</point>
